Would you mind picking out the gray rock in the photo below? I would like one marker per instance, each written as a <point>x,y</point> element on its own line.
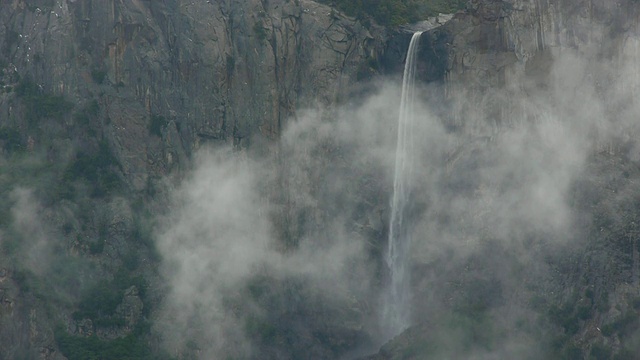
<point>214,71</point>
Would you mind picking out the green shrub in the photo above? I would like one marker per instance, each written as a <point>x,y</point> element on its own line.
<point>156,125</point>
<point>421,350</point>
<point>11,140</point>
<point>230,64</point>
<point>11,39</point>
<point>130,347</point>
<point>96,247</point>
<point>41,105</point>
<point>142,234</point>
<point>600,352</point>
<point>131,260</point>
<point>626,354</point>
<point>623,326</point>
<point>100,302</point>
<point>572,352</point>
<point>260,31</point>
<point>566,317</point>
<point>100,169</point>
<point>602,303</point>
<point>258,328</point>
<point>98,76</point>
<point>584,312</point>
<point>88,112</point>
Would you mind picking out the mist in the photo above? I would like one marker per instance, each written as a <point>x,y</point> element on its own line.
<point>37,243</point>
<point>260,249</point>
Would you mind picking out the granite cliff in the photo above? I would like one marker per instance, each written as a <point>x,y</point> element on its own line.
<point>114,207</point>
<point>193,71</point>
<point>101,101</point>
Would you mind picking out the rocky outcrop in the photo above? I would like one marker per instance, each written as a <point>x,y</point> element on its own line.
<point>193,71</point>
<point>110,96</point>
<point>499,45</point>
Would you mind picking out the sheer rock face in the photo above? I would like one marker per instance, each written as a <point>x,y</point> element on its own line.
<point>153,81</point>
<point>525,28</point>
<point>511,45</point>
<point>208,70</point>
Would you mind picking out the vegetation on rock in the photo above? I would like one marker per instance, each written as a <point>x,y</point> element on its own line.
<point>39,104</point>
<point>130,347</point>
<point>396,12</point>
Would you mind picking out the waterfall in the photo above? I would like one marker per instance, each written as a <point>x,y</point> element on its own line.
<point>396,311</point>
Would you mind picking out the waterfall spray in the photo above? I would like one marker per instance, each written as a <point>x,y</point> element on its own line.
<point>396,312</point>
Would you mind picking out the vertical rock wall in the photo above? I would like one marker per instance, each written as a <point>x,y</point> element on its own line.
<point>204,71</point>
<point>512,44</point>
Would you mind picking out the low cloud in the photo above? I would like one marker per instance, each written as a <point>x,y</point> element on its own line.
<point>495,196</point>
<point>32,239</point>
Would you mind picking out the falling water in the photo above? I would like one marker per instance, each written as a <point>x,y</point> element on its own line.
<point>396,315</point>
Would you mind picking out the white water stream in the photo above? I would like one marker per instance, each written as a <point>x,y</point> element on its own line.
<point>396,311</point>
